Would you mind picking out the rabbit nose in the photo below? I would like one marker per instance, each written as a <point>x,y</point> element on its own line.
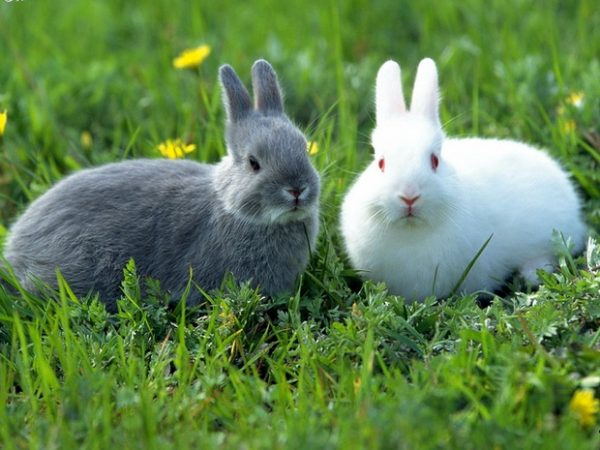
<point>296,192</point>
<point>410,200</point>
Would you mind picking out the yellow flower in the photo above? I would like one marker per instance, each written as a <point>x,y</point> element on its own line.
<point>86,140</point>
<point>192,57</point>
<point>312,148</point>
<point>174,149</point>
<point>568,126</point>
<point>575,99</point>
<point>585,407</point>
<point>3,119</point>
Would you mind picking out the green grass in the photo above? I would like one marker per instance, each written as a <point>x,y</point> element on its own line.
<point>340,364</point>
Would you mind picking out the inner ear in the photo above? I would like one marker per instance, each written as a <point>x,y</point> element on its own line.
<point>267,93</point>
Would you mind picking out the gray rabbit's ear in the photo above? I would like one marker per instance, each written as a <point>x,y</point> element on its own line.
<point>267,93</point>
<point>235,95</point>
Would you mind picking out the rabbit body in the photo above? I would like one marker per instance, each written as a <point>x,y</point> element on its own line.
<point>173,216</point>
<point>421,211</point>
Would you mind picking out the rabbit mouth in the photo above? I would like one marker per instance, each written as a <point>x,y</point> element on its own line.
<point>410,217</point>
<point>410,214</point>
<point>293,213</point>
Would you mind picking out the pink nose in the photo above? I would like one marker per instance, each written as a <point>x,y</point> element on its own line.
<point>296,192</point>
<point>410,200</point>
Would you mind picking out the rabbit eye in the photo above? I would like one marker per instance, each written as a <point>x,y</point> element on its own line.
<point>254,163</point>
<point>435,161</point>
<point>381,164</point>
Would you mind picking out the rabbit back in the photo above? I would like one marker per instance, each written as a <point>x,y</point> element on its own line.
<point>518,190</point>
<point>91,223</point>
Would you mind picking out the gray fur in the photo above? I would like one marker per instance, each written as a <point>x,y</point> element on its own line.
<point>235,96</point>
<point>173,215</point>
<point>267,94</point>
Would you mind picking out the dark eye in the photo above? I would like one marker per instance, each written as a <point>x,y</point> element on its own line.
<point>254,163</point>
<point>381,164</point>
<point>435,161</point>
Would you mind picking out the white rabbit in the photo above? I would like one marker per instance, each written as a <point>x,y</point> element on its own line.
<point>426,204</point>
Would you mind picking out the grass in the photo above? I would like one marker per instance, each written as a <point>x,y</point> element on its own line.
<point>339,364</point>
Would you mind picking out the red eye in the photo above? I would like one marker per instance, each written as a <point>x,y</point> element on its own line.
<point>381,164</point>
<point>435,162</point>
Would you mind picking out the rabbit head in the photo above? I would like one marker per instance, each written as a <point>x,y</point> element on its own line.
<point>410,184</point>
<point>266,176</point>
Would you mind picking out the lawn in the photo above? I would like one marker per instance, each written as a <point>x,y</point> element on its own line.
<point>340,364</point>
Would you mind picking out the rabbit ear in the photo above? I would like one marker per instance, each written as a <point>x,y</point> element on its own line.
<point>389,99</point>
<point>267,93</point>
<point>425,97</point>
<point>235,95</point>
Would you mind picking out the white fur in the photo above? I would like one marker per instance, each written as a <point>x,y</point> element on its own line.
<point>483,187</point>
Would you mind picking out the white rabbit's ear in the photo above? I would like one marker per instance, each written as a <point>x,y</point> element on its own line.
<point>389,99</point>
<point>425,96</point>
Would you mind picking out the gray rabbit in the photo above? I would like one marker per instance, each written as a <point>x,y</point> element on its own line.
<point>254,214</point>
